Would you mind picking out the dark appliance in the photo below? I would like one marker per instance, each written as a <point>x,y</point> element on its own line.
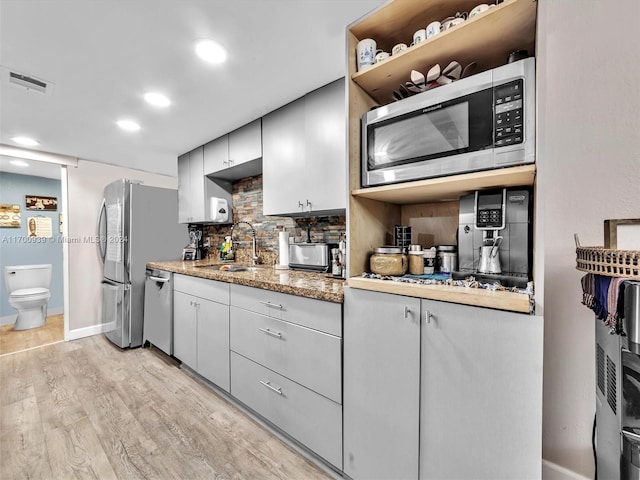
<point>481,122</point>
<point>496,217</point>
<point>196,249</point>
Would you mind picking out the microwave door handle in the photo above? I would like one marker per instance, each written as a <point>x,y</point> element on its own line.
<point>99,237</point>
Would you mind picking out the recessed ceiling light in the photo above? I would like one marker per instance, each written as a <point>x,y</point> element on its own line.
<point>210,51</point>
<point>157,99</point>
<point>128,125</point>
<point>19,163</point>
<point>26,141</point>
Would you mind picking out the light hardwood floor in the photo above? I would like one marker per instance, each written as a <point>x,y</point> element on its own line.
<point>15,341</point>
<point>86,409</point>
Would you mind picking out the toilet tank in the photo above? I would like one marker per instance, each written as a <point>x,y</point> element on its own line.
<point>19,277</point>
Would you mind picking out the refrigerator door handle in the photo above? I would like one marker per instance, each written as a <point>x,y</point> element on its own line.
<point>101,239</point>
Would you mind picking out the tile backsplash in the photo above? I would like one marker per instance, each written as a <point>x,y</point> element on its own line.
<point>247,206</point>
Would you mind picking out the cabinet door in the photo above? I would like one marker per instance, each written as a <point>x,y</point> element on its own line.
<point>216,155</point>
<point>184,328</point>
<point>198,188</point>
<point>184,189</point>
<point>213,342</point>
<point>481,393</point>
<point>381,385</point>
<point>245,143</point>
<point>326,147</point>
<point>283,159</point>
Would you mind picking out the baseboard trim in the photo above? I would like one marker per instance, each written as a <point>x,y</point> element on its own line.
<point>553,471</point>
<point>9,319</point>
<point>85,332</point>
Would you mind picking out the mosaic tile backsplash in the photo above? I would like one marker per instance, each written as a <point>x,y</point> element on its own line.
<point>247,206</point>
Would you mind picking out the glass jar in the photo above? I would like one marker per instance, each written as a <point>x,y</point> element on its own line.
<point>388,261</point>
<point>416,262</point>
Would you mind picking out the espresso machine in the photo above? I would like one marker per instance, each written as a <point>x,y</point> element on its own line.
<point>495,236</point>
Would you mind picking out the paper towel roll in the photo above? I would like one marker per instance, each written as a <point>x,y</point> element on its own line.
<point>283,244</point>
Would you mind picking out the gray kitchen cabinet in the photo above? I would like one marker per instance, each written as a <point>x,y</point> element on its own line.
<point>184,329</point>
<point>235,155</point>
<point>304,154</point>
<point>195,189</point>
<point>213,342</point>
<point>283,188</point>
<point>443,391</point>
<point>286,364</point>
<point>381,385</point>
<point>480,393</point>
<point>201,327</point>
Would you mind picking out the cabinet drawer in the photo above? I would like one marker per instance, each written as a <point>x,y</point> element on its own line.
<point>306,356</point>
<point>311,419</point>
<point>308,312</point>
<point>203,288</point>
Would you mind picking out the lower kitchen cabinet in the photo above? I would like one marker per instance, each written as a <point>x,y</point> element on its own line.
<point>480,393</point>
<point>381,385</point>
<point>310,418</point>
<point>286,364</point>
<point>437,390</point>
<point>201,327</point>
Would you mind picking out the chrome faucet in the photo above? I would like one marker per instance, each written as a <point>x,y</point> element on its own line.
<point>254,255</point>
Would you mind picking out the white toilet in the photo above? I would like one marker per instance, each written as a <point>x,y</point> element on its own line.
<point>28,287</point>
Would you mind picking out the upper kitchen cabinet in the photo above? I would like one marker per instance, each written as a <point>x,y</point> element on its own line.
<point>235,155</point>
<point>304,154</point>
<point>195,189</point>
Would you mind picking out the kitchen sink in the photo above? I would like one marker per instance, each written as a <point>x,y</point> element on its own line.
<point>230,268</point>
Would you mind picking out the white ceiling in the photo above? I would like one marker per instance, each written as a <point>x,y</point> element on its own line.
<point>103,55</point>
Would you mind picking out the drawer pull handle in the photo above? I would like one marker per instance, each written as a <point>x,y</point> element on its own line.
<point>269,332</point>
<point>271,387</point>
<point>274,305</point>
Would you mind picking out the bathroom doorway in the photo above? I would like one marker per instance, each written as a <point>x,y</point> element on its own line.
<point>32,232</point>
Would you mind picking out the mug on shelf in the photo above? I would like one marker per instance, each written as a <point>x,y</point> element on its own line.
<point>398,48</point>
<point>419,36</point>
<point>381,56</point>
<point>478,9</point>
<point>366,51</point>
<point>433,29</point>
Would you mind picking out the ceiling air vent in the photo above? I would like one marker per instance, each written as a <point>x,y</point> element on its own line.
<point>29,82</point>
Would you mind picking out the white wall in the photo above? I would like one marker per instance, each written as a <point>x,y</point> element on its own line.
<point>588,171</point>
<point>85,187</point>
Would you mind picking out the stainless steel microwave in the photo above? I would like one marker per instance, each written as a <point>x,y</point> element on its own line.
<point>481,122</point>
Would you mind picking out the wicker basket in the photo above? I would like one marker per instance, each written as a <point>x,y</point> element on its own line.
<point>611,263</point>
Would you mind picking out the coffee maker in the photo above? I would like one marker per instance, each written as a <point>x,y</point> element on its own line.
<point>196,249</point>
<point>495,236</point>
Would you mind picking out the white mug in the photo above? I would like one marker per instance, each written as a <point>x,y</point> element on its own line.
<point>366,52</point>
<point>483,7</point>
<point>419,36</point>
<point>381,56</point>
<point>398,48</point>
<point>433,29</point>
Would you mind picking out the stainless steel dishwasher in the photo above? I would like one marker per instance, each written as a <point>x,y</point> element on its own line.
<point>158,310</point>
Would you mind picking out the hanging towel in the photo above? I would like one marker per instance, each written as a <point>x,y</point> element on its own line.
<point>605,296</point>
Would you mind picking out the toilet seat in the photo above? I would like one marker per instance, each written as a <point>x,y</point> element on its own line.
<point>29,293</point>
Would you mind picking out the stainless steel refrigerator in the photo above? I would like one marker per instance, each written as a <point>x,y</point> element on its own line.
<point>137,224</point>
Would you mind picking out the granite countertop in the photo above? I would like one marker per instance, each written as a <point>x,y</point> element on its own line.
<point>321,286</point>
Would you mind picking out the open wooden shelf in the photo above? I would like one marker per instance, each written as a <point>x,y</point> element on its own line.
<point>487,39</point>
<point>449,188</point>
<point>477,297</point>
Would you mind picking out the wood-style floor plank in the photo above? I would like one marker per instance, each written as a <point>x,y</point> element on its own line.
<point>14,341</point>
<point>87,409</point>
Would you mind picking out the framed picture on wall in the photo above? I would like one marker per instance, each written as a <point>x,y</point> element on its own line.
<point>9,215</point>
<point>38,202</point>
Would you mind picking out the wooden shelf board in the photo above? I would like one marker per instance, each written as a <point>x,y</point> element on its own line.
<point>487,39</point>
<point>449,188</point>
<point>478,297</point>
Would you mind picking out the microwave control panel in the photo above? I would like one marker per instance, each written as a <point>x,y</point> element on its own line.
<point>508,108</point>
